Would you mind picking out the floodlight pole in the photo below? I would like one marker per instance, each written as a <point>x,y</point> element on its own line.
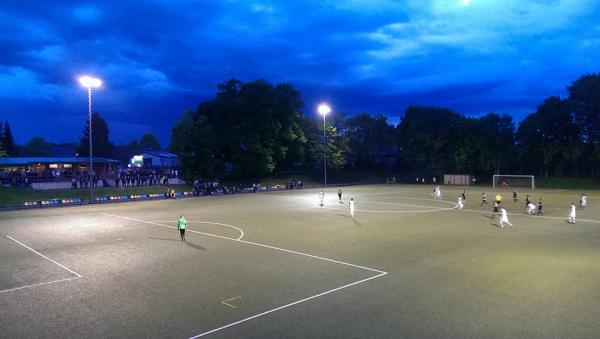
<point>324,154</point>
<point>91,169</point>
<point>324,109</point>
<point>89,82</point>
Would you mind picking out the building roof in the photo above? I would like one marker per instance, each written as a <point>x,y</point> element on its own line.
<point>160,154</point>
<point>13,161</point>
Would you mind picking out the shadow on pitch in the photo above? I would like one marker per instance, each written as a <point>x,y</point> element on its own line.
<point>190,244</point>
<point>356,223</point>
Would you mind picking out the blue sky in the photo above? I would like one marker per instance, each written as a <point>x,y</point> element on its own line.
<point>159,57</point>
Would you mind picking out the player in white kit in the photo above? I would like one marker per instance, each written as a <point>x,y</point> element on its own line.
<point>437,193</point>
<point>503,218</point>
<point>321,197</point>
<point>530,208</point>
<point>572,214</point>
<point>460,203</point>
<point>351,204</point>
<point>583,201</point>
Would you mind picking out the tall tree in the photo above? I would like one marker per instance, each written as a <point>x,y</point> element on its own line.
<point>102,147</point>
<point>428,137</point>
<point>8,141</point>
<point>584,100</point>
<point>371,140</point>
<point>337,144</point>
<point>194,140</point>
<point>496,142</point>
<point>549,137</point>
<point>255,125</point>
<point>37,147</point>
<point>149,141</point>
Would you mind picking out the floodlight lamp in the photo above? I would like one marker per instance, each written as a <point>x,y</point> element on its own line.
<point>89,82</point>
<point>324,109</point>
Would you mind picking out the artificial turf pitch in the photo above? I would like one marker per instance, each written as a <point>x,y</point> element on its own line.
<point>274,265</point>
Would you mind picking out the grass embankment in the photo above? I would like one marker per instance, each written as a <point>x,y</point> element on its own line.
<point>18,196</point>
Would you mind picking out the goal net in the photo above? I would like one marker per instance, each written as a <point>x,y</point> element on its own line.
<point>525,181</point>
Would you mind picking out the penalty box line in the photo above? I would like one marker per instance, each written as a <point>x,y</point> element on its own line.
<point>77,275</point>
<point>379,272</point>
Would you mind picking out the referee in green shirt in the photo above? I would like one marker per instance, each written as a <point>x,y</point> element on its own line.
<point>181,225</point>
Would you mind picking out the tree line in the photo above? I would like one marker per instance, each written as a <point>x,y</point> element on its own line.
<point>257,128</point>
<point>102,146</point>
<point>254,129</point>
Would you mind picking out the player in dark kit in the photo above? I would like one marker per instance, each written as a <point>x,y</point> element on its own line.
<point>539,207</point>
<point>515,194</point>
<point>340,195</point>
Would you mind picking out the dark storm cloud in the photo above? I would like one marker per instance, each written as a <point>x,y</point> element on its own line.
<point>159,57</point>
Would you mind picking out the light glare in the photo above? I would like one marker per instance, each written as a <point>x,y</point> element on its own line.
<point>324,109</point>
<point>89,82</point>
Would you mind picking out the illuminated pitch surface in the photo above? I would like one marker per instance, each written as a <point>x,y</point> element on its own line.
<point>449,273</point>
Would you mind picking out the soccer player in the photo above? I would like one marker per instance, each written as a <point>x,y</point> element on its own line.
<point>437,193</point>
<point>340,195</point>
<point>498,198</point>
<point>503,218</point>
<point>351,205</point>
<point>539,207</point>
<point>515,196</point>
<point>583,201</point>
<point>496,209</point>
<point>460,203</point>
<point>527,200</point>
<point>530,208</point>
<point>572,214</point>
<point>483,199</point>
<point>181,225</point>
<point>321,197</point>
<point>464,195</point>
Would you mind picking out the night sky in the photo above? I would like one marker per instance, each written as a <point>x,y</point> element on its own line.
<point>157,58</point>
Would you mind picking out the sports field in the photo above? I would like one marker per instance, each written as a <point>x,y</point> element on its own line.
<point>276,265</point>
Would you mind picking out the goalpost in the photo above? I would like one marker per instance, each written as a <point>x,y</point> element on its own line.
<point>514,180</point>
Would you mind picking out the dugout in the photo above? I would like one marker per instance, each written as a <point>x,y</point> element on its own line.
<point>458,179</point>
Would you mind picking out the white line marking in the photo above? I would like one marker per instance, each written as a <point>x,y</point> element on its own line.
<point>534,216</point>
<point>214,223</point>
<point>162,225</point>
<point>286,306</point>
<point>253,243</point>
<point>380,273</point>
<point>40,284</point>
<point>429,209</point>
<point>43,256</point>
